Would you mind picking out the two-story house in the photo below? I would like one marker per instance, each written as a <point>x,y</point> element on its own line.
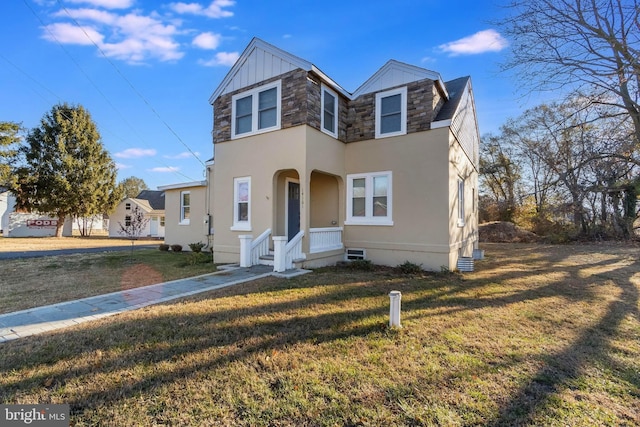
<point>317,174</point>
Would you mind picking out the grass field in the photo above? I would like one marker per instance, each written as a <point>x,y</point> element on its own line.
<point>538,335</point>
<point>20,244</point>
<point>32,282</point>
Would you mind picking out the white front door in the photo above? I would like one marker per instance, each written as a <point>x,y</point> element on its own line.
<point>153,226</point>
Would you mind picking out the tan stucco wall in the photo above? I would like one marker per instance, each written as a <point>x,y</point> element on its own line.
<point>419,163</point>
<point>325,200</point>
<point>424,184</point>
<point>268,159</point>
<point>183,234</point>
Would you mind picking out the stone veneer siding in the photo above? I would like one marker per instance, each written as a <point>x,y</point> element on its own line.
<point>301,104</point>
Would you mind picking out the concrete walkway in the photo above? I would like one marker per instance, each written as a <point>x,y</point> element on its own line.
<point>48,318</point>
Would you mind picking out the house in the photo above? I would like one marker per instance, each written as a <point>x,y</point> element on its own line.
<point>27,224</point>
<point>187,216</point>
<point>307,174</point>
<point>152,205</point>
<point>7,205</point>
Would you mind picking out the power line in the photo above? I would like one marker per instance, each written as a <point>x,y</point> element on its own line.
<point>172,169</point>
<point>133,88</point>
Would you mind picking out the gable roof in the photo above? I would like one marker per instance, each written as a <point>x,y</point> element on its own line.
<point>455,89</point>
<point>395,73</point>
<point>152,199</point>
<point>261,61</point>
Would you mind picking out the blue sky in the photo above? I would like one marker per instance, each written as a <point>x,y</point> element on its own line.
<point>145,69</point>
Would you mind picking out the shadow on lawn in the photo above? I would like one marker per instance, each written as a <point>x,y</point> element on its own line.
<point>236,333</point>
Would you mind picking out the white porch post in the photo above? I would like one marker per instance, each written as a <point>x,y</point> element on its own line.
<point>245,249</point>
<point>279,253</point>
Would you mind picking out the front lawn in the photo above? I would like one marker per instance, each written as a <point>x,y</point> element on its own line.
<point>538,335</point>
<point>32,282</point>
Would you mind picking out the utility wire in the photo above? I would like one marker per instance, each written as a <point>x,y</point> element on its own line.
<point>133,88</point>
<point>172,169</point>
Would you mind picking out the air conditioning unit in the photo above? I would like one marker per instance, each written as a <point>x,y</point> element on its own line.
<point>355,254</point>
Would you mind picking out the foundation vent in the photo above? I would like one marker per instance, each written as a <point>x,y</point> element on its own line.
<point>355,254</point>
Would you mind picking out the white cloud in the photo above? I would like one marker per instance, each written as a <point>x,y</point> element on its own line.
<point>72,34</point>
<point>214,10</point>
<point>207,40</point>
<point>131,37</point>
<point>480,42</point>
<point>221,58</point>
<point>121,166</point>
<point>183,155</point>
<point>134,35</point>
<point>107,4</point>
<point>166,169</point>
<point>132,153</point>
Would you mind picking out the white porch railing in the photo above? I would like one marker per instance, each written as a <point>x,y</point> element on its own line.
<point>294,249</point>
<point>285,253</point>
<point>252,250</point>
<point>260,246</point>
<point>325,239</point>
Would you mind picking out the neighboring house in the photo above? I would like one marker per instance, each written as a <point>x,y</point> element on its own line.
<point>26,224</point>
<point>7,206</point>
<point>151,203</point>
<point>187,214</point>
<point>316,174</point>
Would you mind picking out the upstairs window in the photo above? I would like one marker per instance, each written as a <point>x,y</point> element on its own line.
<point>391,113</point>
<point>127,206</point>
<point>256,111</point>
<point>185,207</point>
<point>329,112</point>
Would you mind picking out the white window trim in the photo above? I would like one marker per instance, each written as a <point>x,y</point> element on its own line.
<point>335,112</point>
<point>403,112</point>
<point>183,220</point>
<point>461,212</point>
<point>254,110</point>
<point>241,225</point>
<point>369,219</point>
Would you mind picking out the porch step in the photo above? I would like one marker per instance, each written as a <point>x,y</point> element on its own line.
<point>266,259</point>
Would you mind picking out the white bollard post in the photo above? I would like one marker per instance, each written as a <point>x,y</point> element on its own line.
<point>394,310</point>
<point>245,249</point>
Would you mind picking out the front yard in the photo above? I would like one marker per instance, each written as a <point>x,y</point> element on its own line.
<point>538,335</point>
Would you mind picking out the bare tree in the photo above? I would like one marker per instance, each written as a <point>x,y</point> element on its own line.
<point>578,163</point>
<point>499,177</point>
<point>590,45</point>
<point>134,223</point>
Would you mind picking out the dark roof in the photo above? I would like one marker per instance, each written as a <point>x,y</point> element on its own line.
<point>455,89</point>
<point>155,198</point>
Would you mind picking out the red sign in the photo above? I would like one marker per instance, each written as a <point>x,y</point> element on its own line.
<point>39,223</point>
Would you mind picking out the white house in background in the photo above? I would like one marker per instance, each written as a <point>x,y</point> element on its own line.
<point>187,215</point>
<point>151,203</point>
<point>24,224</point>
<point>7,205</point>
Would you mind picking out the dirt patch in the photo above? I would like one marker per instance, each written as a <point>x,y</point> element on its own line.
<point>505,232</point>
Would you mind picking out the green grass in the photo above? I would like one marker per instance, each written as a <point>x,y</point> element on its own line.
<point>31,282</point>
<point>538,335</point>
